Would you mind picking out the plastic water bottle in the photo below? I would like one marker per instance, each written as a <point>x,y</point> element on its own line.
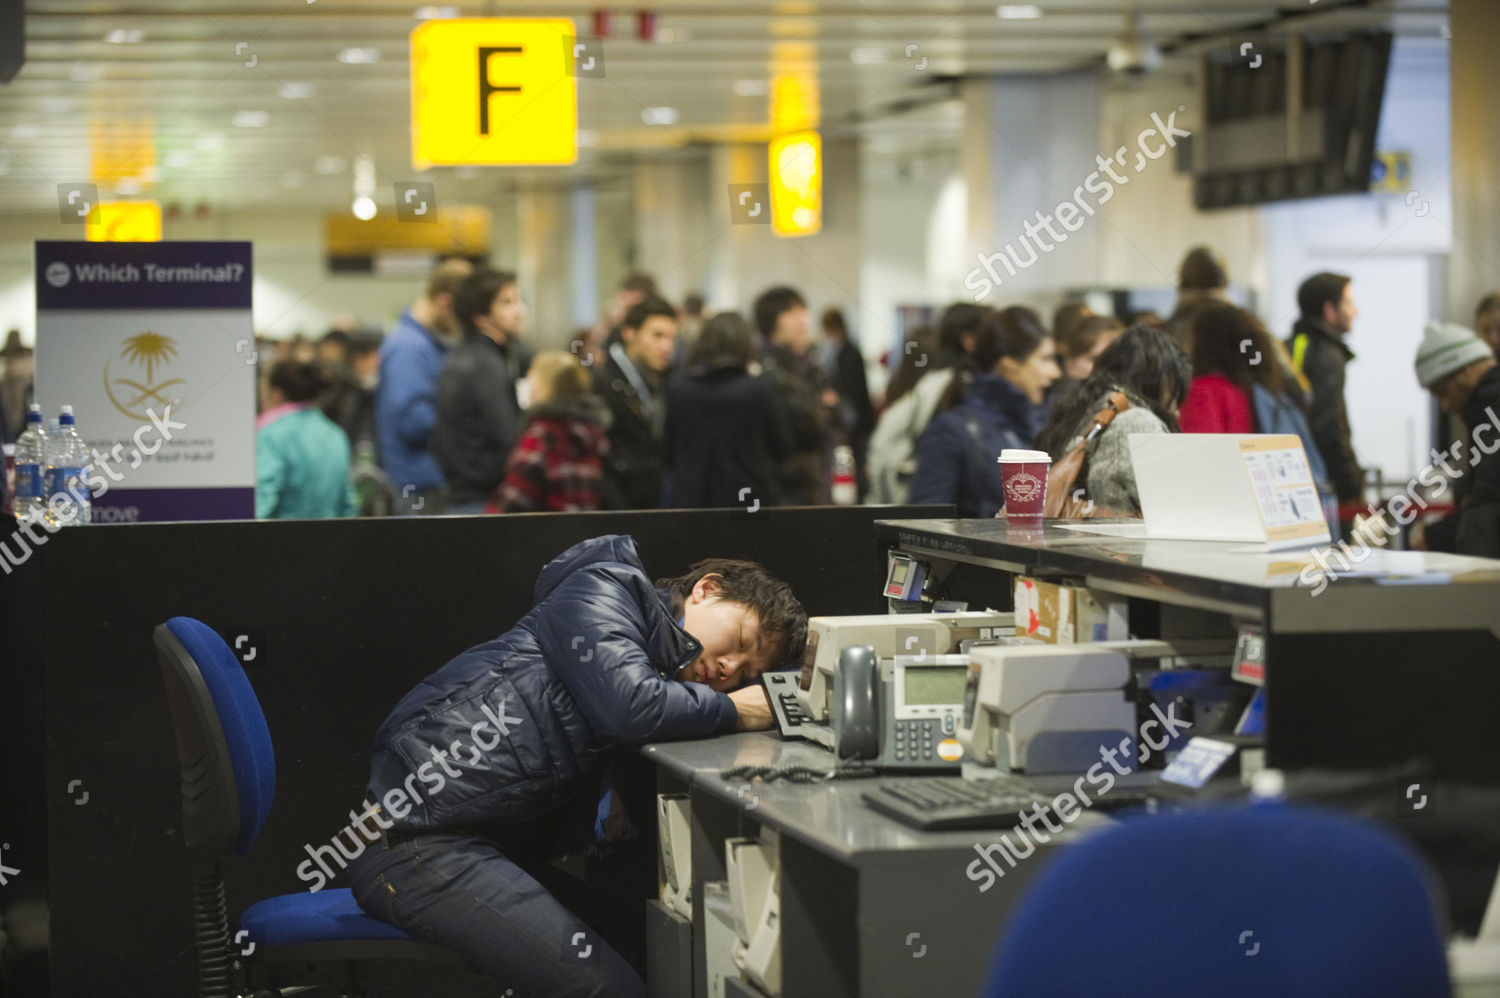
<point>31,467</point>
<point>845,489</point>
<point>67,474</point>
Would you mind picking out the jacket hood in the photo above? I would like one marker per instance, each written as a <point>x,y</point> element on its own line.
<point>611,548</point>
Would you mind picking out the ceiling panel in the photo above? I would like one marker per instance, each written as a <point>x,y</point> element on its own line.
<point>169,101</point>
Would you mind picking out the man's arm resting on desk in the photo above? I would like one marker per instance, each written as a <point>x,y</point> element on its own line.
<point>753,708</point>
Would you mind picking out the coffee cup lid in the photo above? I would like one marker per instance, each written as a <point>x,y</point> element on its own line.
<point>1018,454</point>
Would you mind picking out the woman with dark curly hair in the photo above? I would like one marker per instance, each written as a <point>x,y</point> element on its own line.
<point>1152,371</point>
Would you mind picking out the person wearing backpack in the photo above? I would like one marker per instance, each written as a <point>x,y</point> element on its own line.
<point>994,402</point>
<point>1241,384</point>
<point>893,446</point>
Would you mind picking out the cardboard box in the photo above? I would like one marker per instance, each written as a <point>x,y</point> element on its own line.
<point>1067,613</point>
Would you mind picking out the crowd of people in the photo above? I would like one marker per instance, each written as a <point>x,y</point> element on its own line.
<point>660,406</point>
<point>663,406</point>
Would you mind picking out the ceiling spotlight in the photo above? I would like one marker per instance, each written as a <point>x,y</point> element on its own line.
<point>868,56</point>
<point>659,115</point>
<point>1018,11</point>
<point>363,208</point>
<point>750,88</point>
<point>295,91</point>
<point>251,119</point>
<point>125,36</point>
<point>359,56</point>
<point>436,13</point>
<point>1134,53</point>
<point>587,138</point>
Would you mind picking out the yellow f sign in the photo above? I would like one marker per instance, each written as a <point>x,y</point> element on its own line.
<point>494,91</point>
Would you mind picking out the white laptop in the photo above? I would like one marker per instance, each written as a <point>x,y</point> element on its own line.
<point>1250,488</point>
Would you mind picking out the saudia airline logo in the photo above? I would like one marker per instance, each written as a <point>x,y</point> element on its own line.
<point>1023,487</point>
<point>146,350</point>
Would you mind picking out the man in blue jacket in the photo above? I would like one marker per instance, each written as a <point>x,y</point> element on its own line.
<point>406,394</point>
<point>495,764</point>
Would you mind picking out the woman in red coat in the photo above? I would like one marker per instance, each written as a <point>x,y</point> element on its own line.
<point>557,464</point>
<point>1230,351</point>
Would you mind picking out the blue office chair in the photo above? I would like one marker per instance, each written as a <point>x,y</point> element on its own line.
<point>1228,902</point>
<point>228,767</point>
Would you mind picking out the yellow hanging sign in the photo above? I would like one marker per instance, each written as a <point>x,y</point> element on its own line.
<point>126,222</point>
<point>493,91</point>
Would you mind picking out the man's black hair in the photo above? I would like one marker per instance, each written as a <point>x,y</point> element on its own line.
<point>1319,290</point>
<point>771,304</point>
<point>782,618</point>
<point>651,305</point>
<point>477,292</point>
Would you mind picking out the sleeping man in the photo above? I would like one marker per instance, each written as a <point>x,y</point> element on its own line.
<point>495,764</point>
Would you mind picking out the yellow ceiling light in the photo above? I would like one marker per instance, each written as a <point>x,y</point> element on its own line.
<point>797,184</point>
<point>493,91</point>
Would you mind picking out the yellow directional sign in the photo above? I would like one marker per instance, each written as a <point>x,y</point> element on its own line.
<point>126,222</point>
<point>496,91</point>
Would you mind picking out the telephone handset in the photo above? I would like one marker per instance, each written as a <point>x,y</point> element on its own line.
<point>856,703</point>
<point>902,715</point>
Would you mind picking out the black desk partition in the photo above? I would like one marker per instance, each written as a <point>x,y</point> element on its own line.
<point>344,617</point>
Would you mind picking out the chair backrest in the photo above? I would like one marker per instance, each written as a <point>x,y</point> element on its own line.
<point>223,745</point>
<point>1251,901</point>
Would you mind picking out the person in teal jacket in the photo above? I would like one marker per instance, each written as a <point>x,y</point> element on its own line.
<point>301,456</point>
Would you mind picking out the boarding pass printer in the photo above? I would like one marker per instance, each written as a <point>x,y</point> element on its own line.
<point>1039,708</point>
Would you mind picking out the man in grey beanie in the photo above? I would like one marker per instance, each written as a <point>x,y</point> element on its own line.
<point>1458,367</point>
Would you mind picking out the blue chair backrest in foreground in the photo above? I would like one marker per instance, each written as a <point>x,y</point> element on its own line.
<point>1228,902</point>
<point>223,744</point>
<point>228,781</point>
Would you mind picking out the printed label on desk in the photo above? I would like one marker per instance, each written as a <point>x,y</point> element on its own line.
<point>1196,764</point>
<point>1285,496</point>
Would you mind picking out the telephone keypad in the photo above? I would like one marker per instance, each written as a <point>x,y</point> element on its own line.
<point>914,739</point>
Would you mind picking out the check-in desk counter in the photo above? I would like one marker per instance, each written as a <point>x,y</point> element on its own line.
<point>869,907</point>
<point>1395,659</point>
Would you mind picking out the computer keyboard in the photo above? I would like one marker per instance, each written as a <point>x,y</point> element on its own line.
<point>946,803</point>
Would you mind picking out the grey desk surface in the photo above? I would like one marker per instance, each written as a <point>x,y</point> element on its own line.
<point>829,815</point>
<point>1378,592</point>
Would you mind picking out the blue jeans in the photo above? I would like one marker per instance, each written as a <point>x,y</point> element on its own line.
<point>458,889</point>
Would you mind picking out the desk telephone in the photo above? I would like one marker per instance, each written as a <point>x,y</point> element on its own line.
<point>899,713</point>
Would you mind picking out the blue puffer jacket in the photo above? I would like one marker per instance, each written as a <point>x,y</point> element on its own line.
<point>513,727</point>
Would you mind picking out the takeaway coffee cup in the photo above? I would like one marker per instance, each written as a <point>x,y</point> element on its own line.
<point>1023,475</point>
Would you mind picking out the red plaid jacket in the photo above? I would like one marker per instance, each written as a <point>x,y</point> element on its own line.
<point>557,464</point>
